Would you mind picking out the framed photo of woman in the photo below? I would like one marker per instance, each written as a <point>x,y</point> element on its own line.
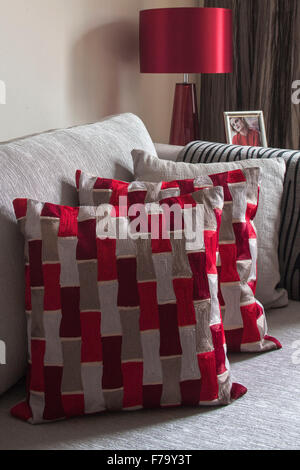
<point>245,128</point>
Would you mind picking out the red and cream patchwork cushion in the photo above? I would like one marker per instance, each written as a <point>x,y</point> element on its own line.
<point>243,316</point>
<point>120,323</point>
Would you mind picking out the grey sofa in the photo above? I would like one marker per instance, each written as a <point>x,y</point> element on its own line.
<point>268,417</point>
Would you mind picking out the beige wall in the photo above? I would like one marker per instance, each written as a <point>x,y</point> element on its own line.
<point>67,62</point>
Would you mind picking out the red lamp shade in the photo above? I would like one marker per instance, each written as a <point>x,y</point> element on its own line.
<point>186,40</point>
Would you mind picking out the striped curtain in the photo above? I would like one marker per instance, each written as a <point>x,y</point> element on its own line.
<point>266,63</point>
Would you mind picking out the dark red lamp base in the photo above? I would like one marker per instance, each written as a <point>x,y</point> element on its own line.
<point>185,123</point>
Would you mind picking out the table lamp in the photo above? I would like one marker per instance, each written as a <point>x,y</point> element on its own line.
<point>185,40</point>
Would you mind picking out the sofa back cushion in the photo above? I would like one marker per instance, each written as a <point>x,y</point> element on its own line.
<point>289,232</point>
<point>42,167</point>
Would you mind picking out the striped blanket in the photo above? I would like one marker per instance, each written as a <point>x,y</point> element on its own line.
<point>289,237</point>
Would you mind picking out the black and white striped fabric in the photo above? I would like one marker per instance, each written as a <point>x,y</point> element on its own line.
<point>289,236</point>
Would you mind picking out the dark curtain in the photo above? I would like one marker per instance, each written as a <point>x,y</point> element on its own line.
<point>266,62</point>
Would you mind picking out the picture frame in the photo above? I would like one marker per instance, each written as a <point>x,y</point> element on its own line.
<point>246,128</point>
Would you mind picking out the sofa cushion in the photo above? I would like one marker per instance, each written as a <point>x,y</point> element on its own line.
<point>42,167</point>
<point>267,219</point>
<point>243,317</point>
<point>112,323</point>
<point>289,234</point>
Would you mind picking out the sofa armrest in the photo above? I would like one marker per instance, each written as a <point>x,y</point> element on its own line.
<point>167,152</point>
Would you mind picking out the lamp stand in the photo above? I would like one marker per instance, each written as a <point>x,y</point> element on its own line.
<point>185,123</point>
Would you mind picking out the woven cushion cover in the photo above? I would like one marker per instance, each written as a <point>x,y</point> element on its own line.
<point>118,324</point>
<point>244,319</point>
<point>289,230</point>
